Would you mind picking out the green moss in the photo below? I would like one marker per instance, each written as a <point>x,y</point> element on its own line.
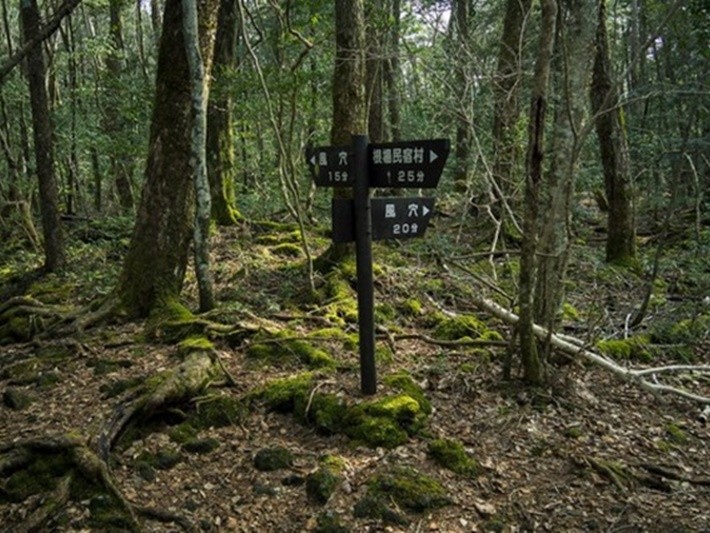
<point>111,390</point>
<point>219,410</point>
<point>403,382</point>
<point>490,335</point>
<point>689,330</point>
<point>183,433</point>
<point>412,307</point>
<point>321,484</point>
<point>374,507</point>
<point>676,434</point>
<point>41,475</point>
<point>349,340</point>
<point>383,354</point>
<point>569,312</point>
<point>325,411</point>
<point>376,432</point>
<point>194,343</point>
<point>288,249</point>
<point>384,313</point>
<point>163,459</point>
<point>451,454</point>
<point>280,235</point>
<point>52,290</point>
<point>453,328</point>
<point>280,394</point>
<point>106,366</point>
<point>201,446</point>
<point>409,489</point>
<point>633,348</point>
<point>270,459</point>
<point>386,423</point>
<point>281,348</point>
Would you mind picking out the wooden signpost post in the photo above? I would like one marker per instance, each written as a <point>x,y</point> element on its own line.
<point>362,166</point>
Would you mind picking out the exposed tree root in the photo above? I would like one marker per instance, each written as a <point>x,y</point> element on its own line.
<point>190,378</point>
<point>625,477</point>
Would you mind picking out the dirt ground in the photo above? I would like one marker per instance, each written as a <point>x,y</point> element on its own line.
<point>588,453</point>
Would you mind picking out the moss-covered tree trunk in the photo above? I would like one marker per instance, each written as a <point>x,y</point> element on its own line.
<point>221,165</point>
<point>571,76</point>
<point>614,151</point>
<point>533,367</point>
<point>154,267</point>
<point>463,114</point>
<point>349,109</point>
<point>54,256</point>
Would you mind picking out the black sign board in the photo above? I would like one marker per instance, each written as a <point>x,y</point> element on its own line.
<point>415,164</point>
<point>330,166</point>
<point>392,218</point>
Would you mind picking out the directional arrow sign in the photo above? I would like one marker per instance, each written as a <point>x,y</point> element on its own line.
<point>392,218</point>
<point>330,166</point>
<point>416,164</point>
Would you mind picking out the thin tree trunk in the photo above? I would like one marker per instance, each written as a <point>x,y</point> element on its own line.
<point>614,151</point>
<point>392,73</point>
<point>571,76</point>
<point>221,164</point>
<point>506,94</point>
<point>463,118</point>
<point>51,225</point>
<point>374,66</point>
<point>533,366</point>
<point>198,158</point>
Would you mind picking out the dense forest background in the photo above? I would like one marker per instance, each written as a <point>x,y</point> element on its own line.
<point>169,289</point>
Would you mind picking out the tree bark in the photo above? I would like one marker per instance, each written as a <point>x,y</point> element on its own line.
<point>221,164</point>
<point>155,264</point>
<point>506,94</point>
<point>614,151</point>
<point>571,76</point>
<point>44,150</point>
<point>392,74</point>
<point>533,366</point>
<point>463,118</point>
<point>198,159</point>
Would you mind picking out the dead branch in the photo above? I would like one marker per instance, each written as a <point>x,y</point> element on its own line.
<point>576,349</point>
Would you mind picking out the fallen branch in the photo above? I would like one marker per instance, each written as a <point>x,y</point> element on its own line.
<point>576,349</point>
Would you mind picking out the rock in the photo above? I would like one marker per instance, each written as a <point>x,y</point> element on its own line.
<point>270,459</point>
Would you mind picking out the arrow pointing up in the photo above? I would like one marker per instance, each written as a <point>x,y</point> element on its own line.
<point>425,209</point>
<point>432,156</point>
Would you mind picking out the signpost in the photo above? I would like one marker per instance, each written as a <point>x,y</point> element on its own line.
<point>410,164</point>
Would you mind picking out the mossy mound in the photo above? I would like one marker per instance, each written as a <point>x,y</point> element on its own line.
<point>201,446</point>
<point>281,348</point>
<point>288,250</point>
<point>17,399</point>
<point>219,410</point>
<point>349,340</point>
<point>321,484</point>
<point>194,343</point>
<point>338,297</point>
<point>455,328</point>
<point>329,522</point>
<point>412,307</point>
<point>52,290</point>
<point>387,422</point>
<point>451,454</point>
<point>403,382</point>
<point>636,348</point>
<point>270,459</point>
<point>172,323</point>
<point>405,487</point>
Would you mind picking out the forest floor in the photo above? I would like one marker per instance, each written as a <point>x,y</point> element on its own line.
<point>587,453</point>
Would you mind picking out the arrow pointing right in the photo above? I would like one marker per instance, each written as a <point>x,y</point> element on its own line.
<point>425,210</point>
<point>432,156</point>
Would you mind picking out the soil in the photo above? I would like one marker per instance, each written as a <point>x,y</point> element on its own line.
<point>542,452</point>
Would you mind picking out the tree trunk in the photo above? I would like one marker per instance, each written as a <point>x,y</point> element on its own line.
<point>463,117</point>
<point>221,165</point>
<point>391,72</point>
<point>155,264</point>
<point>614,152</point>
<point>113,121</point>
<point>374,69</point>
<point>349,109</point>
<point>198,159</point>
<point>506,93</point>
<point>533,366</point>
<point>51,225</point>
<point>571,76</point>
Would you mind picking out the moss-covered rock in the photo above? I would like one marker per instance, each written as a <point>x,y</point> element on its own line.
<point>410,489</point>
<point>201,446</point>
<point>41,475</point>
<point>403,382</point>
<point>219,410</point>
<point>270,459</point>
<point>106,366</point>
<point>321,484</point>
<point>454,328</point>
<point>288,249</point>
<point>183,433</point>
<point>280,394</point>
<point>370,506</point>
<point>412,307</point>
<point>451,454</point>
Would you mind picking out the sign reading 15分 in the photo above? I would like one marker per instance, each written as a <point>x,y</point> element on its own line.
<point>410,164</point>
